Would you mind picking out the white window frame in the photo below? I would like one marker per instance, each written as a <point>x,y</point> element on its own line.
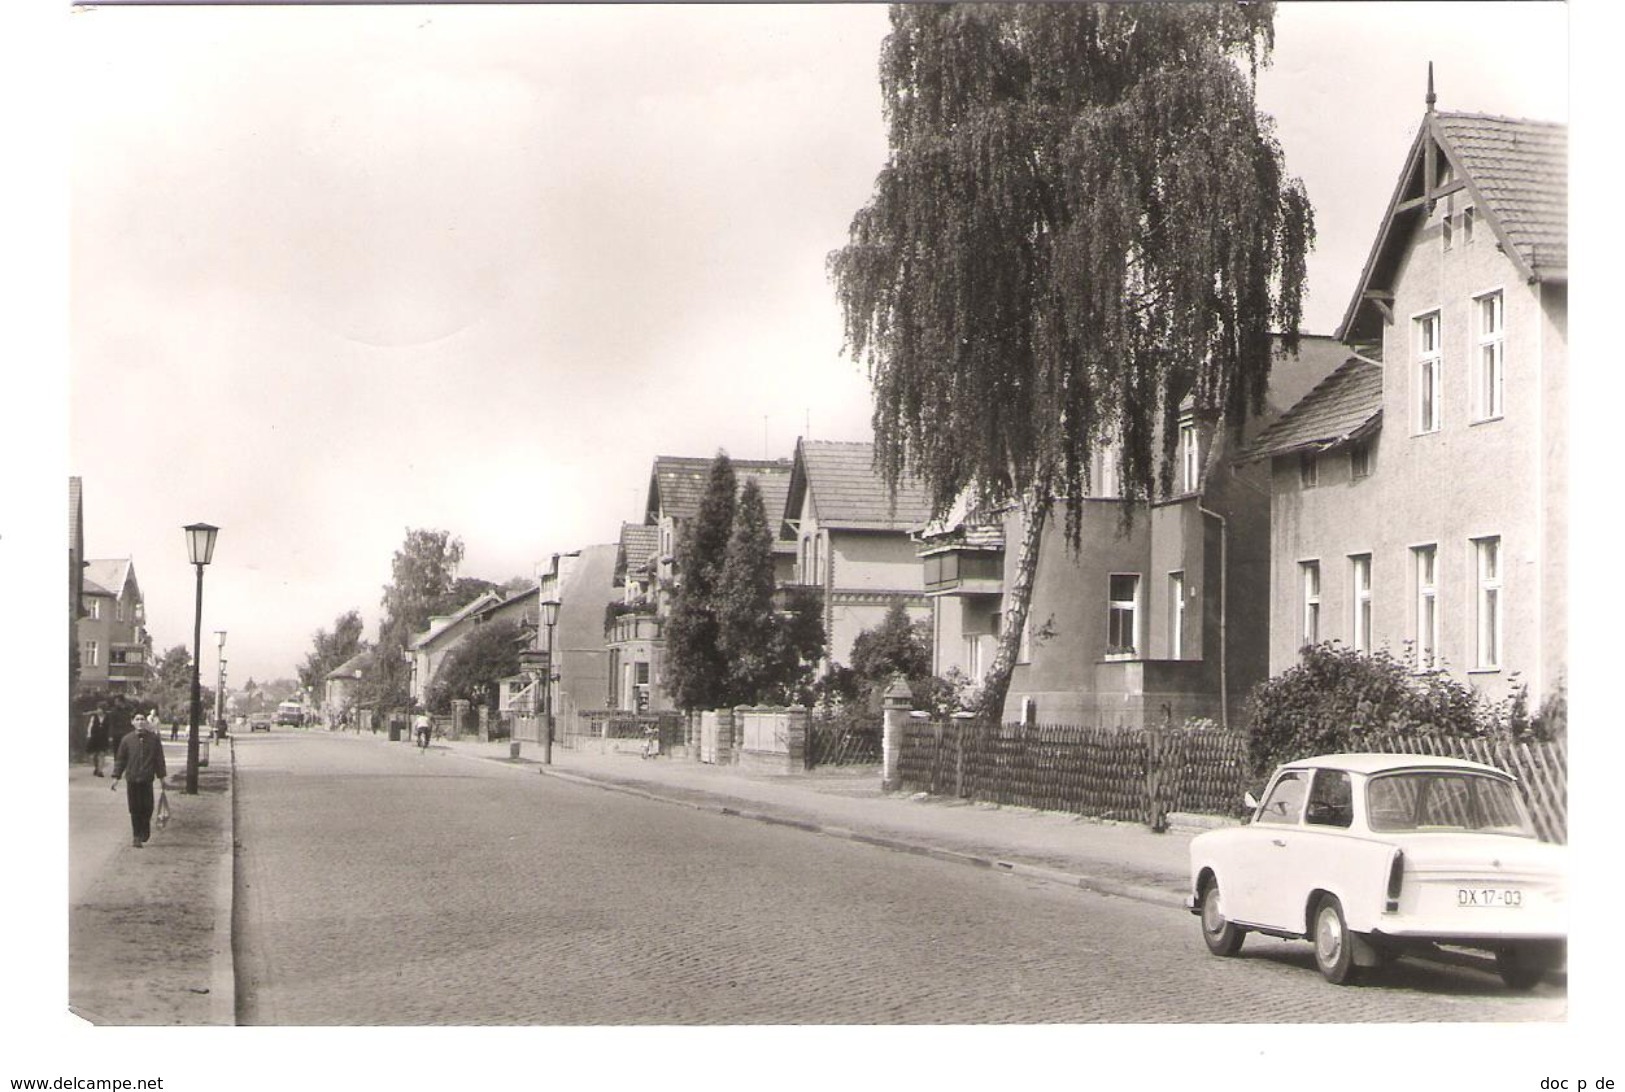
<point>1467,225</point>
<point>1489,363</point>
<point>93,609</point>
<point>1190,460</point>
<point>1425,623</point>
<point>92,654</point>
<point>1131,607</point>
<point>1106,484</point>
<point>1309,585</point>
<point>1429,373</point>
<point>973,656</point>
<point>1176,615</point>
<point>1360,601</point>
<point>1489,602</point>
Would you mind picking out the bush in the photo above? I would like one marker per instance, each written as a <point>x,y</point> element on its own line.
<point>1336,695</point>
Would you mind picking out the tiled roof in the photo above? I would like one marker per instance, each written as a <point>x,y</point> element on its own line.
<point>1345,404</point>
<point>848,492</point>
<point>359,662</point>
<point>1521,170</point>
<point>107,576</point>
<point>678,483</point>
<point>1517,173</point>
<point>639,541</point>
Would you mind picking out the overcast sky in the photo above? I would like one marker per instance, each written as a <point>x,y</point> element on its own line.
<point>338,272</point>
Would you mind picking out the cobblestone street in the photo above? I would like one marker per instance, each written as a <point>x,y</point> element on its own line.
<point>381,885</point>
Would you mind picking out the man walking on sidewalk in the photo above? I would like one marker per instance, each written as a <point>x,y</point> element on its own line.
<point>139,759</point>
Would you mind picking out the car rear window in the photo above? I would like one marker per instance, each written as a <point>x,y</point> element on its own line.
<point>1453,800</point>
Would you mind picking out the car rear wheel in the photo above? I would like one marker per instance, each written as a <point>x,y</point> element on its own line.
<point>1334,946</point>
<point>1522,968</point>
<point>1222,938</point>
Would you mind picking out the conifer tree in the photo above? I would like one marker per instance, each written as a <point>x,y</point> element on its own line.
<point>696,667</point>
<point>744,604</point>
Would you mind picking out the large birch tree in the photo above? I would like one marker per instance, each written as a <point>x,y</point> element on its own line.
<point>1083,218</point>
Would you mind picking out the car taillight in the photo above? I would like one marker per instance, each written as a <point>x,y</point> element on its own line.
<point>1396,879</point>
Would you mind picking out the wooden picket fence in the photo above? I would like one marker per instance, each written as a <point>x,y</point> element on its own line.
<point>1145,775</point>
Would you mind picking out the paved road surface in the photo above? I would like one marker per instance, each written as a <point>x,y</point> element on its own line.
<point>381,885</point>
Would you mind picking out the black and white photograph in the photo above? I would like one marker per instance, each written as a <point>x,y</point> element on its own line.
<point>778,544</point>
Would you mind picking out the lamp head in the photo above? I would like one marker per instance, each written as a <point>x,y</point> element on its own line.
<point>200,542</point>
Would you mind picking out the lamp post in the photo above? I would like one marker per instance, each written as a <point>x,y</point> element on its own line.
<point>220,684</point>
<point>200,549</point>
<point>550,617</point>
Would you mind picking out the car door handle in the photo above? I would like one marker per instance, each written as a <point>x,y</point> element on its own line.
<point>1278,842</point>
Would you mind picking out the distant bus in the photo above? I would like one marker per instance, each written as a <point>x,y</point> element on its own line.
<point>290,712</point>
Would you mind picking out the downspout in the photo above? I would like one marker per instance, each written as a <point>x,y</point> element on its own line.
<point>1224,615</point>
<point>1537,691</point>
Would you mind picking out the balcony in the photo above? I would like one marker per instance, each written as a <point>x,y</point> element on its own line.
<point>640,624</point>
<point>964,572</point>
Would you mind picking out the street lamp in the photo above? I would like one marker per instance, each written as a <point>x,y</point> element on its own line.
<point>220,685</point>
<point>550,617</point>
<point>200,549</point>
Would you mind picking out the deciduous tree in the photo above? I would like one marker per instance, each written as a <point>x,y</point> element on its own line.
<point>1083,219</point>
<point>473,669</point>
<point>329,650</point>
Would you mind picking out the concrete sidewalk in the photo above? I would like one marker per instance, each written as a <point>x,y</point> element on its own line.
<point>1122,859</point>
<point>149,930</point>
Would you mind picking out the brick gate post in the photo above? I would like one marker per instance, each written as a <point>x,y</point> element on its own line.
<point>796,718</point>
<point>895,709</point>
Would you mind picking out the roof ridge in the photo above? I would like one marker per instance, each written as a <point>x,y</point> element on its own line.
<point>1502,117</point>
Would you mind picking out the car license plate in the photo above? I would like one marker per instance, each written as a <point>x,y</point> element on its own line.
<point>1505,898</point>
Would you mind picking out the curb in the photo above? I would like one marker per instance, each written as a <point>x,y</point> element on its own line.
<point>1154,896</point>
<point>222,959</point>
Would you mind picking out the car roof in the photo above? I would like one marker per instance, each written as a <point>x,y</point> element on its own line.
<point>1385,763</point>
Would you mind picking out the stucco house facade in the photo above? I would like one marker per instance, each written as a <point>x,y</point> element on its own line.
<point>115,650</point>
<point>1159,615</point>
<point>1418,498</point>
<point>852,540</point>
<point>342,685</point>
<point>646,570</point>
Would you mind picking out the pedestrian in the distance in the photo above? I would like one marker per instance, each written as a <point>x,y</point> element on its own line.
<point>140,759</point>
<point>420,723</point>
<point>96,740</point>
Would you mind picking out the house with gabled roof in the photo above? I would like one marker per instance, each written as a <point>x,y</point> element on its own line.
<point>852,539</point>
<point>341,686</point>
<point>430,648</point>
<point>646,569</point>
<point>115,650</point>
<point>1160,614</point>
<point>1418,498</point>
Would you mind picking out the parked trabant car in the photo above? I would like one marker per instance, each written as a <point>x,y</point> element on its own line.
<point>1369,856</point>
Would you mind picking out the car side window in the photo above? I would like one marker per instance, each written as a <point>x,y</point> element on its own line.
<point>1331,800</point>
<point>1284,804</point>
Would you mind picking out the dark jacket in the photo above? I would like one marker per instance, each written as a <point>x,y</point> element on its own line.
<point>98,733</point>
<point>140,756</point>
